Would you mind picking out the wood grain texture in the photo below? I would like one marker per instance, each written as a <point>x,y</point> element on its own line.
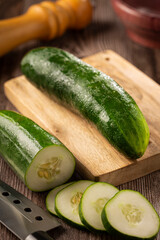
<point>105,32</point>
<point>96,158</point>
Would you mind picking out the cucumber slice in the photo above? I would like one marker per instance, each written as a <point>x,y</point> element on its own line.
<point>92,202</point>
<point>130,215</point>
<point>50,199</point>
<point>67,202</point>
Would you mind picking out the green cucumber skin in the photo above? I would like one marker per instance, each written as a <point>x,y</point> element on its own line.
<point>121,235</point>
<point>83,219</point>
<point>60,215</point>
<point>88,226</point>
<point>70,222</point>
<point>20,140</point>
<point>48,195</point>
<point>92,94</point>
<point>112,231</point>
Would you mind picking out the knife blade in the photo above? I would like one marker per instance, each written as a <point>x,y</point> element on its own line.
<point>22,217</point>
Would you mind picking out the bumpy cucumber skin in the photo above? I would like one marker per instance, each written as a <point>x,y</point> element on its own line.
<point>82,217</point>
<point>110,229</point>
<point>19,154</point>
<point>91,93</point>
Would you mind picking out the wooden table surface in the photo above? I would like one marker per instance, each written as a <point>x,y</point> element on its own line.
<point>105,32</point>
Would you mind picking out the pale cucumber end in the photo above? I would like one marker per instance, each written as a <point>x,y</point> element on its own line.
<point>92,202</point>
<point>51,167</point>
<point>50,199</point>
<point>130,215</point>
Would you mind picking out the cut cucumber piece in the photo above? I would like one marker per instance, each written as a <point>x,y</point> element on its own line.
<point>67,202</point>
<point>50,199</point>
<point>36,156</point>
<point>51,167</point>
<point>130,215</point>
<point>92,202</point>
<point>92,94</point>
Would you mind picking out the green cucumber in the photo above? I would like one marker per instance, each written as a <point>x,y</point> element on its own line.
<point>36,156</point>
<point>67,202</point>
<point>92,94</point>
<point>131,216</point>
<point>50,199</point>
<point>92,202</point>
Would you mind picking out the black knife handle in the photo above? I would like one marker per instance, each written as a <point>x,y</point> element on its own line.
<point>38,236</point>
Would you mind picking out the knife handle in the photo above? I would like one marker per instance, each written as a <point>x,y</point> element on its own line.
<point>45,20</point>
<point>40,235</point>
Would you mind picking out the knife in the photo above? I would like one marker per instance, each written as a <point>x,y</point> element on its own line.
<point>22,217</point>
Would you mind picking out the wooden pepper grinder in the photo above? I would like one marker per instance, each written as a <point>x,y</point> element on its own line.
<point>44,21</point>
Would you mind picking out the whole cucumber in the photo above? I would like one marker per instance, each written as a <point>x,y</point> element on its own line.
<point>92,94</point>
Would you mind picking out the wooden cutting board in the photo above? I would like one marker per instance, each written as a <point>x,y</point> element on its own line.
<point>96,158</point>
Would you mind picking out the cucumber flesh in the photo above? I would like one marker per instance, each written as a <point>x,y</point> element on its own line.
<point>50,199</point>
<point>130,215</point>
<point>51,167</point>
<point>92,202</point>
<point>67,202</point>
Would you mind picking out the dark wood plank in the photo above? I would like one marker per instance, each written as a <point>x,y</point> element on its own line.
<point>105,32</point>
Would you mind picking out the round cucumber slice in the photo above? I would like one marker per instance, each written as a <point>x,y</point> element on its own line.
<point>130,215</point>
<point>50,199</point>
<point>92,202</point>
<point>51,167</point>
<point>67,202</point>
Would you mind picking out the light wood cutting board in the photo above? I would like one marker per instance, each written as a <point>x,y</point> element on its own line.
<point>96,158</point>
